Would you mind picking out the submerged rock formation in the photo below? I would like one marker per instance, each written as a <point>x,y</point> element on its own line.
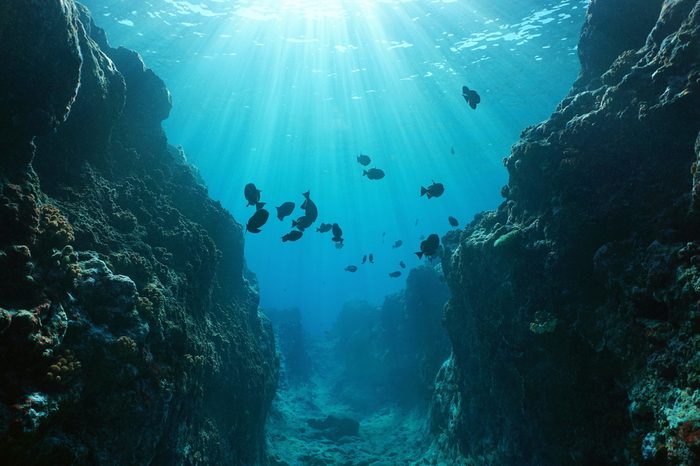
<point>575,312</point>
<point>391,354</point>
<point>129,327</point>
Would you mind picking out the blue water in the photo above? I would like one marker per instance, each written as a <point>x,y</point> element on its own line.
<point>286,94</point>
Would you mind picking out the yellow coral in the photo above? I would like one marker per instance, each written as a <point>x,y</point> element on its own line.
<point>55,228</point>
<point>64,369</point>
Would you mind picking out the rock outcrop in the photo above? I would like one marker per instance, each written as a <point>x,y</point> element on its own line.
<point>129,327</point>
<point>574,318</point>
<point>391,354</point>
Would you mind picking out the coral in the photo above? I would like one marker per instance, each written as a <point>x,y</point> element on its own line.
<point>575,337</point>
<point>65,368</point>
<point>125,314</point>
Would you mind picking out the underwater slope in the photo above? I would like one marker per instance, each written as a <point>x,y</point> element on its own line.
<point>129,326</point>
<point>574,318</point>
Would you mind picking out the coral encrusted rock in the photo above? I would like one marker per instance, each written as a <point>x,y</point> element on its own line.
<point>129,333</point>
<point>574,315</point>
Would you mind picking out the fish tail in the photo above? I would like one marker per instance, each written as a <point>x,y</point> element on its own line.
<point>364,172</point>
<point>259,205</point>
<point>279,214</point>
<point>294,223</point>
<point>419,254</point>
<point>423,191</point>
<point>284,239</point>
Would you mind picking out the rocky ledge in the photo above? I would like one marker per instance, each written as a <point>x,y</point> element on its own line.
<point>129,326</point>
<point>575,311</point>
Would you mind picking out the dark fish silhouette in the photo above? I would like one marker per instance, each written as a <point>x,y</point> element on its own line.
<point>292,236</point>
<point>259,205</point>
<point>397,244</point>
<point>371,258</point>
<point>309,207</point>
<point>257,220</point>
<point>351,268</point>
<point>452,150</point>
<point>285,209</point>
<point>373,173</point>
<point>395,274</point>
<point>429,246</point>
<point>402,264</point>
<point>302,223</point>
<point>252,194</point>
<point>364,258</point>
<point>453,221</point>
<point>325,227</point>
<point>337,233</point>
<point>363,159</point>
<point>471,97</point>
<point>434,190</point>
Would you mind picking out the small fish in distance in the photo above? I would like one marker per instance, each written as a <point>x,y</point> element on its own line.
<point>397,244</point>
<point>252,194</point>
<point>373,173</point>
<point>371,258</point>
<point>471,97</point>
<point>434,190</point>
<point>257,220</point>
<point>309,207</point>
<point>363,159</point>
<point>395,274</point>
<point>402,264</point>
<point>284,210</point>
<point>453,221</point>
<point>325,227</point>
<point>302,223</point>
<point>337,233</point>
<point>351,268</point>
<point>364,258</point>
<point>292,236</point>
<point>429,246</point>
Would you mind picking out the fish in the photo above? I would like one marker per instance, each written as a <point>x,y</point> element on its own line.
<point>351,268</point>
<point>373,173</point>
<point>371,258</point>
<point>325,227</point>
<point>395,274</point>
<point>252,194</point>
<point>309,207</point>
<point>302,223</point>
<point>364,258</point>
<point>363,159</point>
<point>453,221</point>
<point>471,97</point>
<point>337,232</point>
<point>257,220</point>
<point>285,209</point>
<point>434,190</point>
<point>292,236</point>
<point>452,150</point>
<point>429,246</point>
<point>402,264</point>
<point>259,205</point>
<point>397,244</point>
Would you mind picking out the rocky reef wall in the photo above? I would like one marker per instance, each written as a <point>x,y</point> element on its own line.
<point>574,315</point>
<point>129,327</point>
<point>393,352</point>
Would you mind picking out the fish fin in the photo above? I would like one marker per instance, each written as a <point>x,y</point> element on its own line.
<point>472,104</point>
<point>255,230</point>
<point>318,229</point>
<point>419,254</point>
<point>284,239</point>
<point>364,172</point>
<point>294,223</point>
<point>423,191</point>
<point>279,214</point>
<point>259,205</point>
<point>465,89</point>
<point>306,194</point>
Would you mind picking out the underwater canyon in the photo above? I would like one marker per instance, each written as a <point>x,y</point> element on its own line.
<point>560,328</point>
